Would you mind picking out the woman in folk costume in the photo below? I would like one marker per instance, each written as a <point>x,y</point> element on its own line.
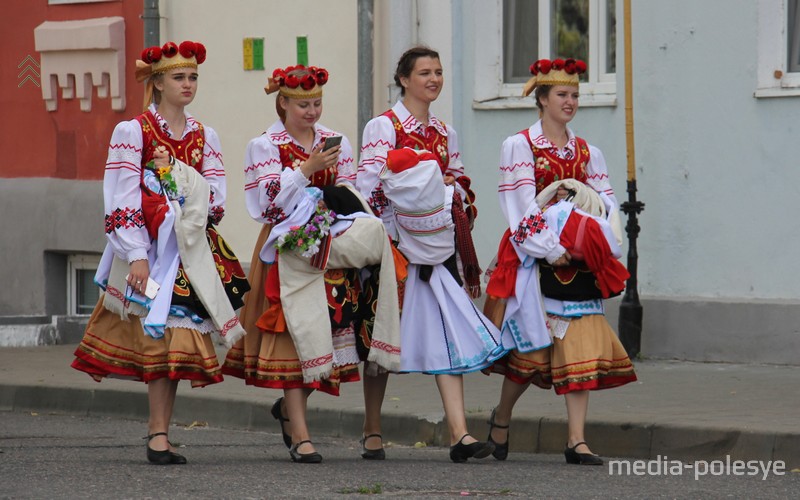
<point>426,204</point>
<point>556,263</point>
<point>164,191</point>
<point>311,318</point>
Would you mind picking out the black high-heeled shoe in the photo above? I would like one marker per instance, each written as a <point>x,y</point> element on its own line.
<point>500,449</point>
<point>278,414</point>
<point>162,457</point>
<point>460,452</point>
<point>573,457</point>
<point>376,454</point>
<point>304,458</point>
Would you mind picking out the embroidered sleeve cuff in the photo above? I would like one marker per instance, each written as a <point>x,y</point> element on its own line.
<point>557,252</point>
<point>297,177</point>
<point>137,254</point>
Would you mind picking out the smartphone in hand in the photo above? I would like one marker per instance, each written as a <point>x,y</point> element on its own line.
<point>331,142</point>
<point>151,290</point>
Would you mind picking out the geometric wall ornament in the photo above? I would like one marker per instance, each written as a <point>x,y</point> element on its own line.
<point>77,55</point>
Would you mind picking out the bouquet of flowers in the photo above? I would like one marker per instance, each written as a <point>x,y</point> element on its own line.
<point>165,177</point>
<point>168,182</point>
<point>307,238</point>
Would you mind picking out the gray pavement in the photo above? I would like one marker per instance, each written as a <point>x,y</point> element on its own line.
<point>56,456</point>
<point>677,410</point>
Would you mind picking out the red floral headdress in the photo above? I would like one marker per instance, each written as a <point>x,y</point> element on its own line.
<point>162,59</point>
<point>555,72</point>
<point>298,82</point>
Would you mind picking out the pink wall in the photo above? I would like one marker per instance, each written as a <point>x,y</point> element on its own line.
<point>67,143</point>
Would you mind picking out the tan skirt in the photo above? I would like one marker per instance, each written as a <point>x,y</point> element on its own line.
<point>590,357</point>
<point>269,359</point>
<point>112,347</point>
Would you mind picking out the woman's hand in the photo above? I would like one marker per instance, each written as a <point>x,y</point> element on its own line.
<point>161,158</point>
<point>562,193</point>
<point>137,277</point>
<point>449,180</point>
<point>564,260</point>
<point>320,160</point>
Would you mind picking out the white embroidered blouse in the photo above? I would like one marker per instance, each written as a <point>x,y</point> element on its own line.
<point>517,190</point>
<point>272,192</point>
<point>122,196</point>
<point>379,137</point>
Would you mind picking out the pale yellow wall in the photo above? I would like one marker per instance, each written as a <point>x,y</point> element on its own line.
<point>384,63</point>
<point>232,100</point>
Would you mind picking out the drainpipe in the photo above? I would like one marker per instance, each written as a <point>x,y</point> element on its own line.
<point>151,20</point>
<point>366,24</point>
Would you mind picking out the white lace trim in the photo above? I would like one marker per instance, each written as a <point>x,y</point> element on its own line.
<point>344,347</point>
<point>206,327</point>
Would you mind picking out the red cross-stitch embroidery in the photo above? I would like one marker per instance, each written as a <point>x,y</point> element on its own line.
<point>273,215</point>
<point>216,214</point>
<point>532,223</point>
<point>124,218</point>
<point>378,200</point>
<point>273,188</point>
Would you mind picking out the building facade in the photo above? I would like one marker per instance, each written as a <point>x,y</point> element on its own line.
<point>714,107</point>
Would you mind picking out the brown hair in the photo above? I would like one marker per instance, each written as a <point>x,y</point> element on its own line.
<point>539,92</point>
<point>407,61</point>
<point>158,77</point>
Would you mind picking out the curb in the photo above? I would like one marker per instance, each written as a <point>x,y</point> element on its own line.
<point>531,435</point>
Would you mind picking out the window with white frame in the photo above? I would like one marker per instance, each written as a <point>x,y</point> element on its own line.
<point>526,30</point>
<point>778,48</point>
<point>82,292</point>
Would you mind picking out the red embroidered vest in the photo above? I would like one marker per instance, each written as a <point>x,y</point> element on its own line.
<point>574,282</point>
<point>433,141</point>
<point>550,168</point>
<point>292,156</point>
<point>436,143</point>
<point>189,150</point>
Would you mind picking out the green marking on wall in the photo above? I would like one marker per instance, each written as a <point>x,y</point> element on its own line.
<point>302,50</point>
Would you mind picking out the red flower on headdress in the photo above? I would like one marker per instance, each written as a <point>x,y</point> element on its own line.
<point>187,49</point>
<point>151,55</point>
<point>292,81</point>
<point>558,64</point>
<point>580,66</point>
<point>169,49</point>
<point>545,65</point>
<point>534,68</point>
<point>313,76</point>
<point>569,66</point>
<point>308,82</point>
<point>199,52</point>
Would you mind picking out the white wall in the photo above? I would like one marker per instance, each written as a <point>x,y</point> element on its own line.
<point>232,100</point>
<point>400,25</point>
<point>715,166</point>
